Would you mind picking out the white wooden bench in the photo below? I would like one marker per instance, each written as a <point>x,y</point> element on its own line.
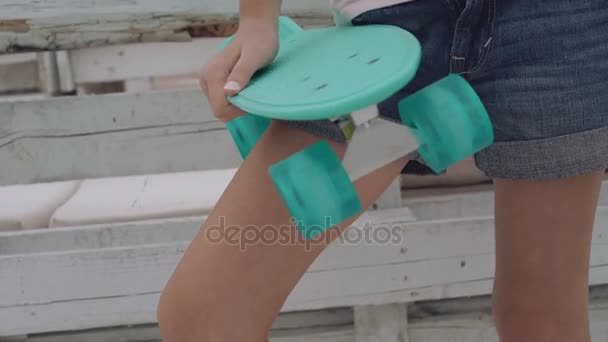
<point>96,215</point>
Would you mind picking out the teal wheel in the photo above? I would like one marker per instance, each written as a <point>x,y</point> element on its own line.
<point>316,189</point>
<point>449,120</point>
<point>246,130</point>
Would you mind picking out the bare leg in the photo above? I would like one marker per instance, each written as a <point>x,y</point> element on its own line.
<point>220,292</point>
<point>543,237</point>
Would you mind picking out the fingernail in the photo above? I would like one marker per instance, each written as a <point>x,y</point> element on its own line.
<point>232,85</point>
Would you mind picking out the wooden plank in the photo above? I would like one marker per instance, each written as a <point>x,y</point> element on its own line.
<point>286,327</point>
<point>138,85</point>
<point>49,76</point>
<point>458,202</point>
<point>388,322</point>
<point>292,321</point>
<point>122,334</point>
<point>18,58</point>
<point>132,61</point>
<point>479,326</point>
<point>79,315</point>
<point>381,323</point>
<point>99,236</point>
<point>468,323</point>
<point>30,25</point>
<point>460,264</point>
<point>337,334</point>
<point>23,97</point>
<point>150,334</point>
<point>455,240</point>
<point>141,233</point>
<point>64,72</point>
<point>110,135</point>
<point>184,229</point>
<point>392,197</point>
<point>470,327</point>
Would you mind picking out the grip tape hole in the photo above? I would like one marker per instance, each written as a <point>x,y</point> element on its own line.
<point>374,60</point>
<point>321,86</point>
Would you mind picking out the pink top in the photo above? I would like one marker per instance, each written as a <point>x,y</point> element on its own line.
<point>351,8</point>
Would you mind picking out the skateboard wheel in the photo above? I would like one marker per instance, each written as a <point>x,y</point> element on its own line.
<point>316,189</point>
<point>449,121</point>
<point>246,130</point>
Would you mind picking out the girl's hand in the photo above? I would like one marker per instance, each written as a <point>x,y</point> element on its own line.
<point>254,46</point>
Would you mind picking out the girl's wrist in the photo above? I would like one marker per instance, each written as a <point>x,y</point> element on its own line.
<point>259,13</point>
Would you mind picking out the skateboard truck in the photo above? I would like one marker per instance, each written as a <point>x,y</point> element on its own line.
<point>444,122</point>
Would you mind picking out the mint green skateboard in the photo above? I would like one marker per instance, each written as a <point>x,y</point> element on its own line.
<point>341,73</point>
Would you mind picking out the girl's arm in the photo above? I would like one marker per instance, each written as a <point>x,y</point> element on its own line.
<point>255,44</point>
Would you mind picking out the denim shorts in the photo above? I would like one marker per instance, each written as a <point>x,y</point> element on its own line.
<point>539,66</point>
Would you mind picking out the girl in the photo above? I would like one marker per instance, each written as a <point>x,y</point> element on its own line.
<point>541,69</point>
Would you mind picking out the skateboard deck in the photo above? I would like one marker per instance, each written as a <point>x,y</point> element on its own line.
<point>328,72</point>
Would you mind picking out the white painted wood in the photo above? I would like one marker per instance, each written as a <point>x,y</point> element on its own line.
<point>470,327</point>
<point>479,326</point>
<point>31,206</point>
<point>156,232</point>
<point>110,135</point>
<point>388,322</point>
<point>168,231</point>
<point>323,324</point>
<point>84,281</point>
<point>461,174</point>
<point>147,197</point>
<point>63,10</point>
<point>339,334</point>
<point>381,323</point>
<point>68,24</point>
<point>391,198</point>
<point>23,97</point>
<point>467,326</point>
<point>132,61</point>
<point>176,82</point>
<point>48,73</point>
<point>18,58</point>
<point>460,202</point>
<point>64,72</point>
<point>122,334</point>
<point>138,85</point>
<point>79,314</point>
<point>335,317</point>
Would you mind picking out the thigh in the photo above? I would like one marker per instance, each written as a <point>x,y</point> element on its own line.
<point>249,283</point>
